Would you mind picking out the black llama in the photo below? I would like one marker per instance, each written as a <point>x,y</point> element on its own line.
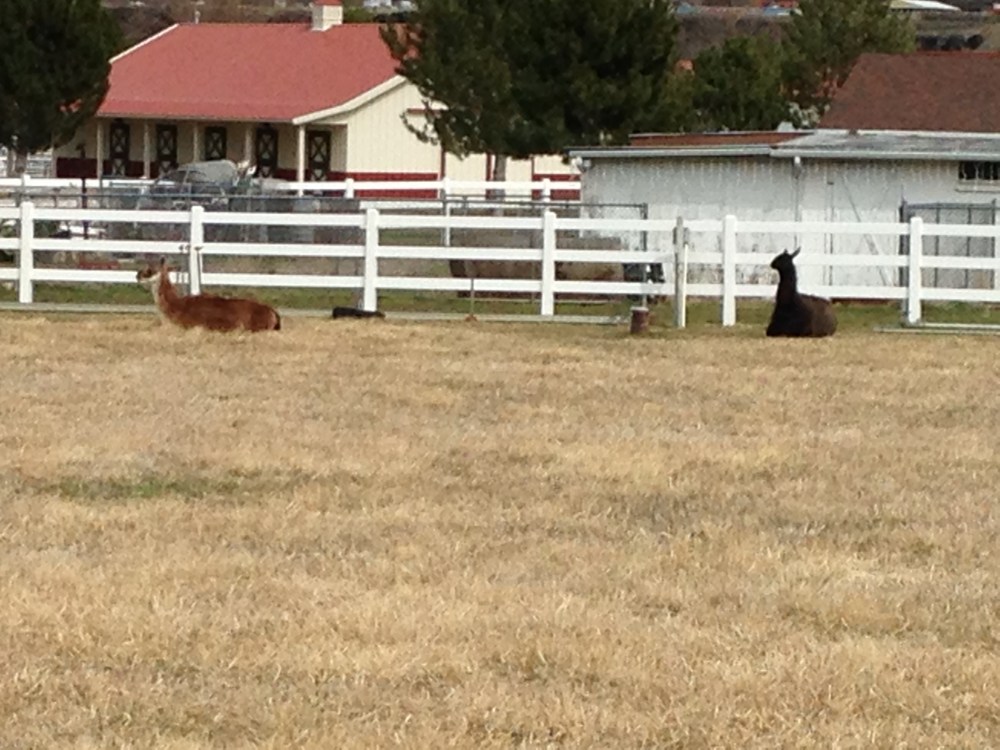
<point>798,314</point>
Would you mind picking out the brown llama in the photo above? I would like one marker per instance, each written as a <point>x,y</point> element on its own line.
<point>798,314</point>
<point>205,310</point>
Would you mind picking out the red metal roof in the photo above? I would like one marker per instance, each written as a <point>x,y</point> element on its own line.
<point>247,72</point>
<point>920,91</point>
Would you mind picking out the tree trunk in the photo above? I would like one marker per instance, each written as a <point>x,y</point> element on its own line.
<point>499,167</point>
<point>20,163</point>
<point>499,175</point>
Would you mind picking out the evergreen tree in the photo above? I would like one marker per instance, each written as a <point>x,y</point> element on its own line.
<point>522,77</point>
<point>54,66</point>
<point>824,40</point>
<point>738,86</point>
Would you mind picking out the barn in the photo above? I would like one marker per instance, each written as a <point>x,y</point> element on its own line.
<point>910,134</point>
<point>313,101</point>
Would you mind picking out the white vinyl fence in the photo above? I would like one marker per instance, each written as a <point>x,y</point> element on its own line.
<point>551,233</point>
<point>349,188</point>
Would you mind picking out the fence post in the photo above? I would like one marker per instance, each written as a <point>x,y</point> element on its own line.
<point>444,188</point>
<point>546,190</point>
<point>349,188</point>
<point>25,254</point>
<point>548,306</point>
<point>913,307</point>
<point>680,274</point>
<point>369,279</point>
<point>196,240</point>
<point>729,270</point>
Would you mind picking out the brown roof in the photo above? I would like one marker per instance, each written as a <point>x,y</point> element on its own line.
<point>934,91</point>
<point>741,138</point>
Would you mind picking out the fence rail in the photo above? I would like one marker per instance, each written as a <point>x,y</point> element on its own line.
<point>548,252</point>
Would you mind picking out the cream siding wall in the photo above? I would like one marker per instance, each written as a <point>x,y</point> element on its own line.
<point>549,164</point>
<point>378,141</point>
<point>87,136</point>
<point>471,167</point>
<point>287,146</point>
<point>338,148</point>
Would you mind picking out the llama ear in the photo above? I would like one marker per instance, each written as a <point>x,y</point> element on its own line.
<point>163,261</point>
<point>797,251</point>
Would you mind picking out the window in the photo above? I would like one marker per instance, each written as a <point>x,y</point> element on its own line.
<point>215,143</point>
<point>319,154</point>
<point>979,171</point>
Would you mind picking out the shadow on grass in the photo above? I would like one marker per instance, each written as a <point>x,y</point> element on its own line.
<point>701,313</point>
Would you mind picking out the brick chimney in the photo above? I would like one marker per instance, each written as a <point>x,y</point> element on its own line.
<point>326,13</point>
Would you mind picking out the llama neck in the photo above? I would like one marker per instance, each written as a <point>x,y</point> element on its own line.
<point>165,294</point>
<point>787,285</point>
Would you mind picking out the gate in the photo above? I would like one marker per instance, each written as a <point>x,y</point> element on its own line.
<point>968,247</point>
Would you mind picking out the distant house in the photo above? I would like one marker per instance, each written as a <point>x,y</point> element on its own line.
<point>310,101</point>
<point>909,134</point>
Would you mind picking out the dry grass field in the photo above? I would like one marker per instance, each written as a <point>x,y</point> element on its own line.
<point>385,534</point>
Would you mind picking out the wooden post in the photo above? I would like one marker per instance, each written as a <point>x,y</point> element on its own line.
<point>147,150</point>
<point>248,155</point>
<point>196,154</point>
<point>99,169</point>
<point>640,320</point>
<point>300,156</point>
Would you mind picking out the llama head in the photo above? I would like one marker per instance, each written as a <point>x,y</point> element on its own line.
<point>151,273</point>
<point>783,261</point>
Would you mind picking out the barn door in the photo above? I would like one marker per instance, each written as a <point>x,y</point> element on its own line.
<point>166,148</point>
<point>118,142</point>
<point>215,143</point>
<point>319,154</point>
<point>266,151</point>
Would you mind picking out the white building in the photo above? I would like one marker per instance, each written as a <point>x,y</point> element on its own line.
<point>915,134</point>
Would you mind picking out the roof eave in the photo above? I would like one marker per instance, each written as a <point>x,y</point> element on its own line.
<point>659,153</point>
<point>126,115</point>
<point>932,134</point>
<point>143,43</point>
<point>351,104</point>
<point>851,155</point>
